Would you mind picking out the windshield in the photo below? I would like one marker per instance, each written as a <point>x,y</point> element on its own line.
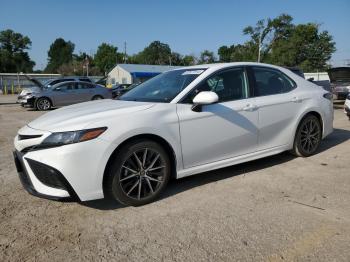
<point>162,88</point>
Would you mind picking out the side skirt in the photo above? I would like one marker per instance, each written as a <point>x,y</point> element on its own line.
<point>231,161</point>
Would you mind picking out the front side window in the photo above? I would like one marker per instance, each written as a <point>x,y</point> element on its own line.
<point>270,82</point>
<point>229,85</point>
<point>164,87</point>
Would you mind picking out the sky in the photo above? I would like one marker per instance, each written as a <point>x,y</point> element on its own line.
<point>189,27</point>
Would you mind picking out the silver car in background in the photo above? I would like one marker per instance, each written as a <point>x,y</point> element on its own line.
<point>66,93</point>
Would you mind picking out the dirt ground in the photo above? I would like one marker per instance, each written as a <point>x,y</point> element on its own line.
<point>279,208</point>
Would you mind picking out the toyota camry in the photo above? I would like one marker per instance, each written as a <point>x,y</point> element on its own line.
<point>180,123</point>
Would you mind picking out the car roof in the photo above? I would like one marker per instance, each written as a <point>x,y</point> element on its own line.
<point>74,81</point>
<point>225,65</point>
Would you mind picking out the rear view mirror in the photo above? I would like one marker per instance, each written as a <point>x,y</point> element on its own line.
<point>204,98</point>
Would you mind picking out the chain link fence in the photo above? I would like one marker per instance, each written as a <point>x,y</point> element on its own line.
<point>12,83</point>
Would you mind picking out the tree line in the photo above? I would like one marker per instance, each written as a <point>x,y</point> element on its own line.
<point>273,40</point>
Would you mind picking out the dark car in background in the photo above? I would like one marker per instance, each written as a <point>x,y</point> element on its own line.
<point>119,91</point>
<point>340,81</point>
<point>66,93</point>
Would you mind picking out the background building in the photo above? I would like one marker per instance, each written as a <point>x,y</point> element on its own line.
<point>134,73</point>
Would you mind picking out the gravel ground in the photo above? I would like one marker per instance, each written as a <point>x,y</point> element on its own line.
<point>279,208</point>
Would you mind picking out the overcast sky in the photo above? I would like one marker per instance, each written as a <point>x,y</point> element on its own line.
<point>188,27</point>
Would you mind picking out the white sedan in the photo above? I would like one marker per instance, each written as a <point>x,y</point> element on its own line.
<point>180,123</point>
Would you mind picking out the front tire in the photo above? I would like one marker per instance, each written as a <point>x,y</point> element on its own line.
<point>308,136</point>
<point>43,104</point>
<point>138,173</point>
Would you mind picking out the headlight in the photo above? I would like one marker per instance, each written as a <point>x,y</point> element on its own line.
<point>71,137</point>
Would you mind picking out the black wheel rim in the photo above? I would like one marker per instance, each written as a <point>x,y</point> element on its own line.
<point>310,136</point>
<point>142,174</point>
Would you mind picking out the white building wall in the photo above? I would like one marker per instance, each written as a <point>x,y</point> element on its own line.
<point>319,76</point>
<point>119,76</point>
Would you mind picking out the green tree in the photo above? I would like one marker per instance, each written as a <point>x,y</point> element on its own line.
<point>60,52</point>
<point>13,57</point>
<point>207,57</point>
<point>283,43</point>
<point>107,57</point>
<point>156,53</point>
<point>189,60</point>
<point>305,47</point>
<point>267,32</point>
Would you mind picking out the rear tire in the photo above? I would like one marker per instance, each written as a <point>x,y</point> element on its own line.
<point>43,104</point>
<point>308,136</point>
<point>138,173</point>
<point>97,97</point>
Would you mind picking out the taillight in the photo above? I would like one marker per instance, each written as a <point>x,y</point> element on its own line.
<point>328,96</point>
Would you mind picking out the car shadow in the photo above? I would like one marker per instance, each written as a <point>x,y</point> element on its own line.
<point>177,186</point>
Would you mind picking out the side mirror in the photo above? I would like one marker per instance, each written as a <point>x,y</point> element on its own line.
<point>57,89</point>
<point>311,79</point>
<point>204,98</point>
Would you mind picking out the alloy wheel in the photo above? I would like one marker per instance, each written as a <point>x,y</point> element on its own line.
<point>310,134</point>
<point>142,174</point>
<point>43,104</point>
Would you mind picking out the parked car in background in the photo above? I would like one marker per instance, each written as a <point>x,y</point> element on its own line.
<point>65,93</point>
<point>118,90</point>
<point>39,86</point>
<point>180,123</point>
<point>347,106</point>
<point>121,91</point>
<point>340,81</point>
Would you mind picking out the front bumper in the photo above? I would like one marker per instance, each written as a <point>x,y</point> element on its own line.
<point>27,102</point>
<point>48,176</point>
<point>81,165</point>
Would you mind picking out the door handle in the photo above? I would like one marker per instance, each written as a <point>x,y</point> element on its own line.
<point>296,99</point>
<point>249,107</point>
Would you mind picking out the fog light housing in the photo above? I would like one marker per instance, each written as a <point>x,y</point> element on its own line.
<point>47,175</point>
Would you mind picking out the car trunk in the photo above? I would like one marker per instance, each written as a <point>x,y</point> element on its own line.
<point>339,75</point>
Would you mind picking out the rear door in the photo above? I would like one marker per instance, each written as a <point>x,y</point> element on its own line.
<point>84,92</point>
<point>278,104</point>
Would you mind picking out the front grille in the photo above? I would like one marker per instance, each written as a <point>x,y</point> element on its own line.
<point>24,137</point>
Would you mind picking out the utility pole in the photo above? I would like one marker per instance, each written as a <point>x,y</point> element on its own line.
<point>124,52</point>
<point>87,65</point>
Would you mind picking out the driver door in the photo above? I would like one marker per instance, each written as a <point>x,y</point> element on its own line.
<point>64,94</point>
<point>222,130</point>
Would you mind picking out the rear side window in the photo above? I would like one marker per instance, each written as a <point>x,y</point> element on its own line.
<point>270,82</point>
<point>85,80</point>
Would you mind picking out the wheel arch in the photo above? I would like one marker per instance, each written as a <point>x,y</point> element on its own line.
<point>310,112</point>
<point>48,98</point>
<point>97,95</point>
<point>147,136</point>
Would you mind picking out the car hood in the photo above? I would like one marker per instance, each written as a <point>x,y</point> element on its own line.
<point>339,74</point>
<point>32,89</point>
<point>80,116</point>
